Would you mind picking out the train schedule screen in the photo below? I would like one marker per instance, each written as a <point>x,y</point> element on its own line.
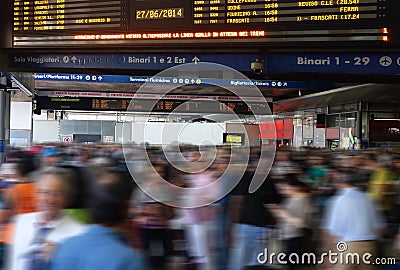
<point>122,22</point>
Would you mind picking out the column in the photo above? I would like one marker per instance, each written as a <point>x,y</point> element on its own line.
<point>5,100</point>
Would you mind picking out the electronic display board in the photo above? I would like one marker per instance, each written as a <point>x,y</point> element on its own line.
<point>146,105</point>
<point>45,23</point>
<point>56,15</point>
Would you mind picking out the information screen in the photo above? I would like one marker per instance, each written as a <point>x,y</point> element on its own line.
<point>261,12</point>
<point>121,22</point>
<point>146,105</point>
<point>56,15</point>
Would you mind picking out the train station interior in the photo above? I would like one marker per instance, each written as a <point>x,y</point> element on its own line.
<point>244,131</point>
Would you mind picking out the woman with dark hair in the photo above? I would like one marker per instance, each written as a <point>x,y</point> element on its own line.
<point>295,217</point>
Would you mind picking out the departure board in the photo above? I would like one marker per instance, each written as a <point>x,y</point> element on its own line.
<point>135,22</point>
<point>270,12</point>
<point>146,105</point>
<point>54,15</point>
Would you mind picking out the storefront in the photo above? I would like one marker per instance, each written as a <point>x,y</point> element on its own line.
<point>346,118</point>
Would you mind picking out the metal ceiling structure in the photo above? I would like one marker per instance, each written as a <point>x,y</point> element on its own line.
<point>371,93</point>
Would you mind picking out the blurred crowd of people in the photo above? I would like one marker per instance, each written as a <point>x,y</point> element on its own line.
<point>77,206</point>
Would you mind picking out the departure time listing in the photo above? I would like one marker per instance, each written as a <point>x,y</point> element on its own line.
<point>273,11</point>
<point>42,15</point>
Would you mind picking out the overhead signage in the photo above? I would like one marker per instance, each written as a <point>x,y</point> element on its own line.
<point>148,96</point>
<point>362,63</point>
<point>67,23</point>
<point>178,81</point>
<point>198,105</point>
<point>241,62</point>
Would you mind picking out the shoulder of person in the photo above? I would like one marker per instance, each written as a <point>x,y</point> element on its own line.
<point>26,218</point>
<point>70,226</point>
<point>134,260</point>
<point>71,221</point>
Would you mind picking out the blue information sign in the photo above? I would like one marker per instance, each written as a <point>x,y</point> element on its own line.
<point>178,81</point>
<point>241,62</point>
<point>362,63</point>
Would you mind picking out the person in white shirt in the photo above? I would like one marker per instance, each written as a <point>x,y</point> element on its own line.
<point>37,234</point>
<point>352,221</point>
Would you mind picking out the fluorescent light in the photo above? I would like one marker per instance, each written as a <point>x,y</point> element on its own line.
<point>387,119</point>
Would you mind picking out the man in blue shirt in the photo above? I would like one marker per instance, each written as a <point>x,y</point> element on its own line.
<point>102,246</point>
<point>353,223</point>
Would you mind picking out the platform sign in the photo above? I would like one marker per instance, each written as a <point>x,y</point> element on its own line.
<point>154,61</point>
<point>361,63</point>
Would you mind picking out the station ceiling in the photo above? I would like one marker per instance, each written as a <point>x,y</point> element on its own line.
<point>388,94</point>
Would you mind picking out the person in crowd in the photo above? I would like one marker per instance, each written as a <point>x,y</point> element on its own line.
<point>379,186</point>
<point>282,165</point>
<point>352,218</point>
<point>80,181</point>
<point>152,219</point>
<point>224,176</point>
<point>396,249</point>
<point>50,156</point>
<point>37,234</point>
<point>20,198</point>
<point>295,217</point>
<point>200,220</point>
<point>99,163</point>
<point>395,213</point>
<point>252,222</point>
<point>316,177</point>
<point>103,245</point>
<point>7,173</point>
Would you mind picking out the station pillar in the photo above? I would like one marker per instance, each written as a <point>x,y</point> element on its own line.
<point>5,100</point>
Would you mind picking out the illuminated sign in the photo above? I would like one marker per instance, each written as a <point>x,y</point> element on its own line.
<point>233,138</point>
<point>44,23</point>
<point>49,15</point>
<point>200,105</point>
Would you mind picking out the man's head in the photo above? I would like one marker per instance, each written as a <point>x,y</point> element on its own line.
<point>109,197</point>
<point>54,190</point>
<point>345,179</point>
<point>50,156</point>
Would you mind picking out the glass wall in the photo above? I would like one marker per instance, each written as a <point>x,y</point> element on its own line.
<point>343,120</point>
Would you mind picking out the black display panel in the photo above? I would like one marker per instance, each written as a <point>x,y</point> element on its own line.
<point>146,105</point>
<point>73,15</point>
<point>134,22</point>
